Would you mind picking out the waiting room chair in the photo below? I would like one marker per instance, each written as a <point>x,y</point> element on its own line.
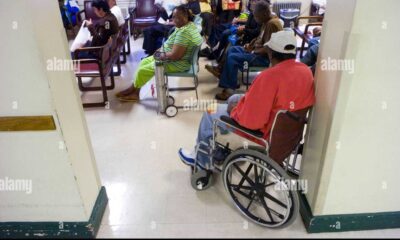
<point>87,12</point>
<point>191,73</point>
<point>126,49</point>
<point>247,69</point>
<point>101,67</point>
<point>145,14</point>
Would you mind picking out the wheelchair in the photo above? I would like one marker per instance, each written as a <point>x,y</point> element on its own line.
<point>256,176</point>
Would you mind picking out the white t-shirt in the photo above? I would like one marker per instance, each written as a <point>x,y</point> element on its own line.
<point>118,14</point>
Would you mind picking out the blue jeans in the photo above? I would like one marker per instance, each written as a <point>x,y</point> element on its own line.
<point>235,58</point>
<point>205,132</point>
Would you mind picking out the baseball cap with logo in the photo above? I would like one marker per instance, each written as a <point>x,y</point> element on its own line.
<point>283,42</point>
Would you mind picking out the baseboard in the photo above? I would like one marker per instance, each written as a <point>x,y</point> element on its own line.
<point>346,222</point>
<point>87,229</point>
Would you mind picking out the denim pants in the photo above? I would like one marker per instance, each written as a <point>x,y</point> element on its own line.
<point>205,132</point>
<point>235,59</point>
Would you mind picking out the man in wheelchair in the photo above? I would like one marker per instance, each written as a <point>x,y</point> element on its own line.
<point>287,85</point>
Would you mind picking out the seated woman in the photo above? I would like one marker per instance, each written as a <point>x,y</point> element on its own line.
<point>178,48</point>
<point>102,30</point>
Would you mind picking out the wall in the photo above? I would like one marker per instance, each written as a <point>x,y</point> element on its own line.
<point>351,155</point>
<point>60,163</point>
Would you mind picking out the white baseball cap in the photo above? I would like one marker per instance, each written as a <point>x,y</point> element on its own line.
<point>283,42</point>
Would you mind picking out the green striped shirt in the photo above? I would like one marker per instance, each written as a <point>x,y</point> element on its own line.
<point>187,36</point>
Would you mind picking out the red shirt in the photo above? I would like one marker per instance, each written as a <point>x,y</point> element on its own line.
<point>288,85</point>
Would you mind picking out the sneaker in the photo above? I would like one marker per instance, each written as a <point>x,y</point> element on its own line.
<point>188,158</point>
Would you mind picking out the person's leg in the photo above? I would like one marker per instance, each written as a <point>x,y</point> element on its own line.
<point>147,39</point>
<point>207,22</point>
<point>205,133</point>
<point>223,42</point>
<point>143,74</point>
<point>234,60</point>
<point>151,37</point>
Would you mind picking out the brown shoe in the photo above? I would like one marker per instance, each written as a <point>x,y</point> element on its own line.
<point>134,97</point>
<point>224,95</point>
<point>214,70</point>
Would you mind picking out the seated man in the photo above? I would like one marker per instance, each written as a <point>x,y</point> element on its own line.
<point>254,52</point>
<point>153,33</point>
<point>286,85</point>
<point>178,48</point>
<point>116,11</point>
<point>310,59</point>
<point>104,28</point>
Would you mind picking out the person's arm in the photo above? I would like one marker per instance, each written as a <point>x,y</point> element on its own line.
<point>176,53</point>
<point>181,43</point>
<point>270,28</point>
<point>254,109</point>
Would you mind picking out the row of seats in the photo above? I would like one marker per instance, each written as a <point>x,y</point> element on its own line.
<point>102,67</point>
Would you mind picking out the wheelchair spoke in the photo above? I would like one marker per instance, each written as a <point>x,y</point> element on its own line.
<point>271,184</point>
<point>256,174</point>
<point>270,197</point>
<point>248,196</point>
<point>267,209</point>
<point>251,201</point>
<point>245,176</point>
<point>240,187</point>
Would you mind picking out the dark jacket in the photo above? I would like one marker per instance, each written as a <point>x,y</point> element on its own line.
<point>103,29</point>
<point>252,29</point>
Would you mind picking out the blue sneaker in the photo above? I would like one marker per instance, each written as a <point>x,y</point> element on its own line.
<point>188,158</point>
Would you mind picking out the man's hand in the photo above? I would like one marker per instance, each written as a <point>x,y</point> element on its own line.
<point>240,29</point>
<point>89,23</point>
<point>248,48</point>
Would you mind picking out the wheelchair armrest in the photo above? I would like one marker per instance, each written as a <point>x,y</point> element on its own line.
<point>228,120</point>
<point>296,117</point>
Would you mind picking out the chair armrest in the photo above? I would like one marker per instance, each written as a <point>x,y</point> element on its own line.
<point>296,117</point>
<point>87,49</point>
<point>320,18</point>
<point>310,25</point>
<point>230,121</point>
<point>78,17</point>
<point>133,12</point>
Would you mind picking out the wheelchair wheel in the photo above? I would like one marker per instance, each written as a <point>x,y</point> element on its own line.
<point>201,179</point>
<point>171,111</point>
<point>259,188</point>
<point>171,100</point>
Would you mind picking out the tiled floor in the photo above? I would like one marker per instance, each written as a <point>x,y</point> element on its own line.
<point>149,188</point>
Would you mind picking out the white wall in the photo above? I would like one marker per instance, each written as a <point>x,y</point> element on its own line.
<point>65,180</point>
<point>351,156</point>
